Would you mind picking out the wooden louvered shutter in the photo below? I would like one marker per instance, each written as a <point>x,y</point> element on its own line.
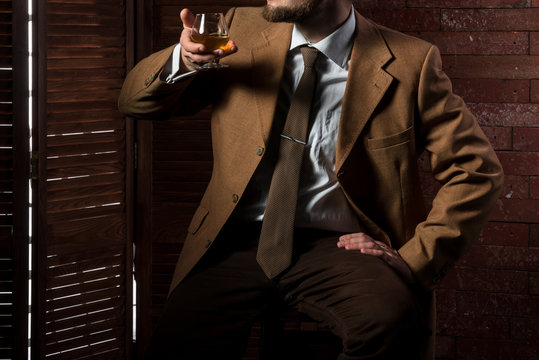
<point>14,175</point>
<point>84,247</point>
<point>14,162</point>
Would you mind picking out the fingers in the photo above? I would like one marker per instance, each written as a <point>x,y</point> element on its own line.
<point>367,245</point>
<point>356,241</point>
<point>193,53</point>
<point>188,18</point>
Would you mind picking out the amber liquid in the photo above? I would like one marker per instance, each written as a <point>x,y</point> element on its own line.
<point>211,42</point>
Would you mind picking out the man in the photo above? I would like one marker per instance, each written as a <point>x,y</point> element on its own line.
<point>364,254</point>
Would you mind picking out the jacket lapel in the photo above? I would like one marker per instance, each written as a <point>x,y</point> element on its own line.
<point>268,66</point>
<point>366,85</point>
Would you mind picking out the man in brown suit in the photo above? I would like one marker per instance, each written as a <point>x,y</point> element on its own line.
<point>366,253</point>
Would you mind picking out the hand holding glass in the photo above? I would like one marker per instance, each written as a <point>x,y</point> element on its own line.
<point>211,31</point>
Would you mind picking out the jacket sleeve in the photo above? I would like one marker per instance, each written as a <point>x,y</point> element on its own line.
<point>145,94</point>
<point>463,161</point>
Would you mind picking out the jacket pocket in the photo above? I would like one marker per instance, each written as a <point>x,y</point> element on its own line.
<point>387,141</point>
<point>198,219</point>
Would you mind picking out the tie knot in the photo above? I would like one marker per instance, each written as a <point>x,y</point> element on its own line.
<point>310,54</point>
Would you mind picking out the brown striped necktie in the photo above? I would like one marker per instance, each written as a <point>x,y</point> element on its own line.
<point>275,245</point>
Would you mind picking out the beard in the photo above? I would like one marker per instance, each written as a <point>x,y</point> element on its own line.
<point>292,14</point>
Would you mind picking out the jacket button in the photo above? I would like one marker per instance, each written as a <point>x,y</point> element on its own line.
<point>259,150</point>
<point>235,198</point>
<point>208,243</point>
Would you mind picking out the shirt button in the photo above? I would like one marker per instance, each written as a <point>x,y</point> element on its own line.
<point>259,150</point>
<point>235,198</point>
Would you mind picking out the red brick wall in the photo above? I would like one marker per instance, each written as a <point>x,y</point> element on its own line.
<point>488,306</point>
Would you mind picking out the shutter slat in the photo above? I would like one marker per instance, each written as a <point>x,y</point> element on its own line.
<point>91,328</point>
<point>81,126</point>
<point>64,315</point>
<point>85,344</point>
<point>83,298</point>
<point>94,350</point>
<point>81,288</point>
<point>83,203</point>
<point>104,179</point>
<point>85,171</point>
<point>84,192</point>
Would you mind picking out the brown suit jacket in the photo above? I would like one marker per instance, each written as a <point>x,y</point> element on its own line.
<point>397,104</point>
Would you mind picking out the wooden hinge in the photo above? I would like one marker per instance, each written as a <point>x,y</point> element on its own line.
<point>135,156</point>
<point>34,163</point>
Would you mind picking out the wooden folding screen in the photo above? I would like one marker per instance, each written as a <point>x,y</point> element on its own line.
<point>83,250</point>
<point>174,166</point>
<point>14,172</point>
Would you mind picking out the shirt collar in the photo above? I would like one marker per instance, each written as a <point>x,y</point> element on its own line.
<point>336,46</point>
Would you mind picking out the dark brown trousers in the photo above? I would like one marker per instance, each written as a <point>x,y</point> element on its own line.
<point>359,297</point>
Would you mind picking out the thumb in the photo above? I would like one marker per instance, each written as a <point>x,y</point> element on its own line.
<point>187,17</point>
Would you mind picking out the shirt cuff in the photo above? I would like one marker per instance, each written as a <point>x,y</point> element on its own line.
<point>171,72</point>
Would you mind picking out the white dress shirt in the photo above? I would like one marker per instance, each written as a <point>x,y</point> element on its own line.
<point>321,202</point>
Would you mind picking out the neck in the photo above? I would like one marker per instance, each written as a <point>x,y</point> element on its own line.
<point>317,27</point>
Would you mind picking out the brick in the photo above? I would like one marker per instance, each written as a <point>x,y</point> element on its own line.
<point>478,43</point>
<point>525,329</point>
<point>445,347</point>
<point>489,19</point>
<point>491,67</point>
<point>500,137</point>
<point>500,257</point>
<point>469,3</point>
<point>526,139</point>
<point>444,3</point>
<point>423,162</point>
<point>534,283</point>
<point>516,210</point>
<point>506,114</point>
<point>486,327</point>
<point>534,91</point>
<point>519,163</point>
<point>487,280</point>
<point>515,187</point>
<point>509,305</point>
<point>373,4</point>
<point>492,90</point>
<point>534,235</point>
<point>505,4</point>
<point>534,43</point>
<point>405,19</point>
<point>508,234</point>
<point>534,187</point>
<point>429,185</point>
<point>535,3</point>
<point>445,300</point>
<point>475,349</point>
